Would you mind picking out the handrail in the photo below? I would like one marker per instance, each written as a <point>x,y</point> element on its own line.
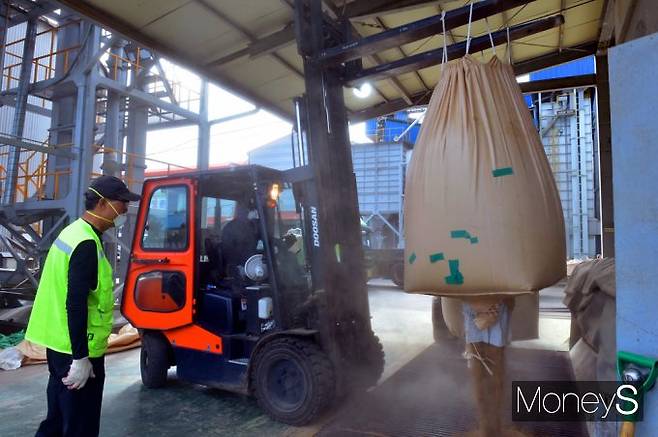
<point>33,182</point>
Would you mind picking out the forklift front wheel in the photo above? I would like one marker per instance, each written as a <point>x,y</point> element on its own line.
<point>293,380</point>
<point>154,359</point>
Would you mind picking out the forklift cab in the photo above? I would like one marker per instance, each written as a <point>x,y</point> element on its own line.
<point>246,260</point>
<point>221,284</point>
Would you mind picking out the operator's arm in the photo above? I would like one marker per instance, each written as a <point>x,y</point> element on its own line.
<point>82,278</point>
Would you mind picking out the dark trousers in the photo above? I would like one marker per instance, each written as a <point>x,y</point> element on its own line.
<point>72,412</point>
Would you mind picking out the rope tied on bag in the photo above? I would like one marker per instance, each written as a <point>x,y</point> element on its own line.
<point>493,46</point>
<point>468,32</point>
<point>508,48</point>
<point>444,53</point>
<point>483,360</point>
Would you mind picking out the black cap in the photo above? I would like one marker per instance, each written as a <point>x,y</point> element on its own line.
<point>113,188</point>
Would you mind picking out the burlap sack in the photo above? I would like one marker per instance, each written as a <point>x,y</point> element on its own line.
<point>126,338</point>
<point>482,212</point>
<point>524,319</point>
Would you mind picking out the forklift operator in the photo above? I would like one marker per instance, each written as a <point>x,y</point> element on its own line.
<point>239,240</point>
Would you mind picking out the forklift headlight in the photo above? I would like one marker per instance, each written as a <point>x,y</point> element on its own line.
<point>274,192</point>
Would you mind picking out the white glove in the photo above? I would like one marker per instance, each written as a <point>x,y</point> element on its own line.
<point>81,370</point>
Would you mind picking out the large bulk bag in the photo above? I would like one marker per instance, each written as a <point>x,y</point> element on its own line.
<point>482,212</point>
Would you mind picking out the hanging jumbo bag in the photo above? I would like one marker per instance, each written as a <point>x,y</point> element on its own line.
<point>482,212</point>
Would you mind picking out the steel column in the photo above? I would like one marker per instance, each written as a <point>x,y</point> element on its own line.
<point>19,111</point>
<point>134,166</point>
<point>203,148</point>
<point>605,156</point>
<point>4,11</point>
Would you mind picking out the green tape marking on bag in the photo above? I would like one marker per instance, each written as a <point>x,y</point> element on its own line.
<point>435,257</point>
<point>464,234</point>
<point>455,278</point>
<point>504,171</point>
<point>412,258</point>
<point>460,234</point>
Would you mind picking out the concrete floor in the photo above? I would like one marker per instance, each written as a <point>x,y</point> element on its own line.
<point>402,321</point>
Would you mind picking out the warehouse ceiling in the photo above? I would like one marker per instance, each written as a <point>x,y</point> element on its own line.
<point>248,46</point>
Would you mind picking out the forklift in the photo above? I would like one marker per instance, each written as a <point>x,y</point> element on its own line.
<point>289,322</point>
<point>262,326</point>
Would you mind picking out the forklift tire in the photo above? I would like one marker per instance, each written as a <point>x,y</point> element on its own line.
<point>154,360</point>
<point>293,380</point>
<point>373,360</point>
<point>397,274</point>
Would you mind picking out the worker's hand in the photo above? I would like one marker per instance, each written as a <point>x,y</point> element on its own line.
<point>81,370</point>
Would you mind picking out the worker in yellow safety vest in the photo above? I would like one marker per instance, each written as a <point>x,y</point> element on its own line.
<point>72,312</point>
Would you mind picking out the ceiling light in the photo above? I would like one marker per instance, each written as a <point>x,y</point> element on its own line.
<point>363,91</point>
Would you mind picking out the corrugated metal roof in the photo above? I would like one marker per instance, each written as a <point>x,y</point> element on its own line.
<point>198,32</point>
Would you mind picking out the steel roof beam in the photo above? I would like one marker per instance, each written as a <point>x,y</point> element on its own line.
<point>418,76</point>
<point>389,107</point>
<point>367,8</point>
<point>180,56</point>
<point>454,51</point>
<point>260,47</point>
<point>246,33</point>
<point>560,83</point>
<point>528,66</point>
<point>271,43</point>
<point>333,15</point>
<point>414,31</point>
<point>422,99</point>
<point>557,57</point>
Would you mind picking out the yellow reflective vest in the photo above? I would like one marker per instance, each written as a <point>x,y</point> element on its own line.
<point>48,325</point>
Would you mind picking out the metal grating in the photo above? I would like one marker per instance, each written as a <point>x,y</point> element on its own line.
<point>432,396</point>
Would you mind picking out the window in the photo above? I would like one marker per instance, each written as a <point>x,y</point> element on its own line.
<point>288,241</point>
<point>161,292</point>
<point>215,213</point>
<point>167,223</point>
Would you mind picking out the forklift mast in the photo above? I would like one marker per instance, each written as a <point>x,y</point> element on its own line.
<point>331,210</point>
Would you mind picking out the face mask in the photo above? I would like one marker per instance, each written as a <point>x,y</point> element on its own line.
<point>118,221</point>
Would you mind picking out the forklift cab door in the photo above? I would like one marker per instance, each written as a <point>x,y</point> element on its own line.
<point>159,286</point>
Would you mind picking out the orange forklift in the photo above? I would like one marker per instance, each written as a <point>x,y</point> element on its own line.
<point>249,315</point>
